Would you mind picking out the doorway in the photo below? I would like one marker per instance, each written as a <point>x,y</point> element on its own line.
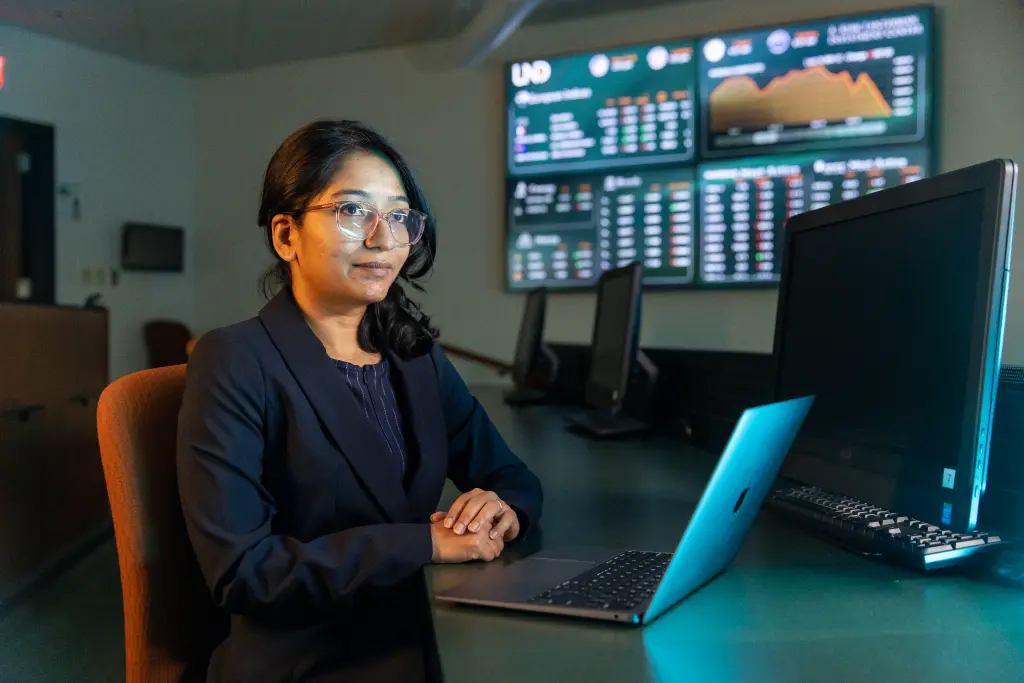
<point>27,192</point>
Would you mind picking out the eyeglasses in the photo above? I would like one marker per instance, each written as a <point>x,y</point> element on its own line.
<point>359,221</point>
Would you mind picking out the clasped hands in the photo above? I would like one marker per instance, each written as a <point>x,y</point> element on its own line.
<point>475,528</point>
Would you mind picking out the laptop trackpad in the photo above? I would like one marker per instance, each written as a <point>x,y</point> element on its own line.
<point>519,581</point>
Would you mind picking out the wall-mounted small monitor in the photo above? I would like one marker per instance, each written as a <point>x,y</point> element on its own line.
<point>153,248</point>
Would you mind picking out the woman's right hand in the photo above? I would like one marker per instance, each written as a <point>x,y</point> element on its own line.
<point>451,548</point>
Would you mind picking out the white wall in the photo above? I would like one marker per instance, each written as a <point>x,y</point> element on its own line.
<point>449,122</point>
<point>125,134</point>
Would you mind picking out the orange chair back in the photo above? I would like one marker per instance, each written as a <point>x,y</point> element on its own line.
<point>170,622</point>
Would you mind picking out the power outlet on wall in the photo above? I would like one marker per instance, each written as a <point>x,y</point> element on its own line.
<point>97,276</point>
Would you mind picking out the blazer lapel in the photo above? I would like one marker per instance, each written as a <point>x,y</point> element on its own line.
<point>422,403</point>
<point>334,403</point>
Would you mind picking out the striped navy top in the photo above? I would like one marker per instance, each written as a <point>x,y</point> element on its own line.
<point>371,385</point>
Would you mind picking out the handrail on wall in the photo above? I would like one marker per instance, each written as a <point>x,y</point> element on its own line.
<point>499,366</point>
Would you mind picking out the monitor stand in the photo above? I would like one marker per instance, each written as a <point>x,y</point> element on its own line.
<point>523,396</point>
<point>604,423</point>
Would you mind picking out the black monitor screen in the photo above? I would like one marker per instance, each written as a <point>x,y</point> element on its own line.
<point>612,352</point>
<point>531,333</point>
<point>626,106</point>
<point>853,81</point>
<point>877,322</point>
<point>152,247</point>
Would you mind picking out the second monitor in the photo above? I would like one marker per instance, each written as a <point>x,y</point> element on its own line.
<point>618,369</point>
<point>535,366</point>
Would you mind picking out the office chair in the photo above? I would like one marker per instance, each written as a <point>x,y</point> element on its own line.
<point>166,342</point>
<point>170,622</point>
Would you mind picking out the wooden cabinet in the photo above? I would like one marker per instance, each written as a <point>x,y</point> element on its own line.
<point>75,494</point>
<point>53,366</point>
<point>20,484</point>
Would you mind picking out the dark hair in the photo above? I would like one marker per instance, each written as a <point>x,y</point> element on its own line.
<point>301,168</point>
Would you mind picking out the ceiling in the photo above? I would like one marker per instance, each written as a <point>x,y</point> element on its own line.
<point>208,36</point>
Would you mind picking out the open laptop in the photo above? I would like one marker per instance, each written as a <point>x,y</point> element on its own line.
<point>637,586</point>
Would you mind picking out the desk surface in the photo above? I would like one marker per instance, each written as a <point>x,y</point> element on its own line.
<point>791,608</point>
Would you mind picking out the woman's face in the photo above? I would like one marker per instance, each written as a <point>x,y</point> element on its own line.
<point>332,266</point>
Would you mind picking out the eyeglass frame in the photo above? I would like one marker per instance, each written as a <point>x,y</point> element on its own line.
<point>336,206</point>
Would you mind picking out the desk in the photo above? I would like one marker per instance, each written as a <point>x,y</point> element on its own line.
<point>792,608</point>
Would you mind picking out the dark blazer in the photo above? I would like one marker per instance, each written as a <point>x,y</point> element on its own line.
<point>312,546</point>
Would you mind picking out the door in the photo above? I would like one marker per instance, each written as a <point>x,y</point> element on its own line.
<point>11,252</point>
<point>27,192</point>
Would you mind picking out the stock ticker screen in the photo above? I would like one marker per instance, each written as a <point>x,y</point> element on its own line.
<point>616,108</point>
<point>690,156</point>
<point>744,204</point>
<point>564,231</point>
<point>858,81</point>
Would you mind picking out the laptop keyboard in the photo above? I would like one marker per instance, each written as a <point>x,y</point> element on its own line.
<point>621,583</point>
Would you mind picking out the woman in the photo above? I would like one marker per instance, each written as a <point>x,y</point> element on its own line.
<point>314,439</point>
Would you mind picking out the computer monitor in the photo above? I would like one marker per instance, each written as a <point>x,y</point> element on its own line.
<point>613,344</point>
<point>618,369</point>
<point>891,311</point>
<point>152,247</point>
<point>534,366</point>
<point>531,335</point>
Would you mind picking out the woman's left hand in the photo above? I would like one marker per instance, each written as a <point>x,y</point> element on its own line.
<point>477,510</point>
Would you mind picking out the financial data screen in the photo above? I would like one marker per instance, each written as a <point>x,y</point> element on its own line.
<point>622,107</point>
<point>689,156</point>
<point>745,204</point>
<point>564,231</point>
<point>857,81</point>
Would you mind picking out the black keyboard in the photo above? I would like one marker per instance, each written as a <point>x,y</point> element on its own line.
<point>871,529</point>
<point>620,584</point>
